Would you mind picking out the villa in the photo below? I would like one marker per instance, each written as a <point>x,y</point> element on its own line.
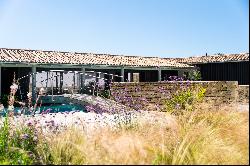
<point>61,70</point>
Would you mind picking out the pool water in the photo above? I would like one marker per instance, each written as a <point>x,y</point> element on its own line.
<point>47,109</point>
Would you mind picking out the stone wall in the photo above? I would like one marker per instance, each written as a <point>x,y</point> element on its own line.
<point>243,94</point>
<point>217,92</point>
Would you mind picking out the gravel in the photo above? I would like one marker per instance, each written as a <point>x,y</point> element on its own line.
<point>88,122</point>
<point>243,107</point>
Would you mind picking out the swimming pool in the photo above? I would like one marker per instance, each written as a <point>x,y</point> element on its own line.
<point>47,109</point>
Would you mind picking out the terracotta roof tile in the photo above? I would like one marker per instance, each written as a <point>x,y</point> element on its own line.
<point>212,58</point>
<point>43,57</point>
<point>38,56</point>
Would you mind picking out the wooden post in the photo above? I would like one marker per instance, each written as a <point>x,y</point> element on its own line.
<point>74,81</point>
<point>34,83</point>
<point>52,86</point>
<point>61,82</point>
<point>122,74</point>
<point>83,77</point>
<point>0,81</point>
<point>159,74</point>
<point>57,90</point>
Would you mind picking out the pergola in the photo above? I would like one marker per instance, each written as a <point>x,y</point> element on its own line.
<point>37,61</point>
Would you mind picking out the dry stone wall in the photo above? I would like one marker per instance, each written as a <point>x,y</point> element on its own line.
<point>217,92</point>
<point>243,94</point>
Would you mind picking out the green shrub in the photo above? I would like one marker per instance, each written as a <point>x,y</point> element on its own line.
<point>194,75</point>
<point>104,93</point>
<point>185,99</point>
<point>18,145</point>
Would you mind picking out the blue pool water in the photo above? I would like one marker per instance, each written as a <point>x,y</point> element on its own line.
<point>47,109</point>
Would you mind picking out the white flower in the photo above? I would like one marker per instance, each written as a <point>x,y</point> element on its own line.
<point>14,86</point>
<point>29,94</point>
<point>11,108</point>
<point>41,89</point>
<point>21,103</point>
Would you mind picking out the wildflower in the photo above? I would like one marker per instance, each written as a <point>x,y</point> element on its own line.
<point>21,103</point>
<point>14,86</point>
<point>29,95</point>
<point>52,122</point>
<point>25,136</point>
<point>177,106</point>
<point>11,108</point>
<point>1,107</point>
<point>29,123</point>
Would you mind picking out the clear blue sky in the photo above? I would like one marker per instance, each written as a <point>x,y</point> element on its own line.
<point>163,28</point>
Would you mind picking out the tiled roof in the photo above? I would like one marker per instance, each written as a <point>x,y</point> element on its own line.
<point>55,57</point>
<point>212,58</point>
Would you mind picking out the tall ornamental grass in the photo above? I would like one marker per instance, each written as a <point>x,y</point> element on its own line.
<point>198,137</point>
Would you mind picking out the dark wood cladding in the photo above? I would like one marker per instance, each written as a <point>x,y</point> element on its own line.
<point>227,71</point>
<point>144,75</point>
<point>152,75</point>
<point>7,80</point>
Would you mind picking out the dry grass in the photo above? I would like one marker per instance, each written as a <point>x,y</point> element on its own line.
<point>199,137</point>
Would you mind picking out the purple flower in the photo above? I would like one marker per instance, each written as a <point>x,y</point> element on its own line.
<point>52,122</point>
<point>90,108</point>
<point>25,136</point>
<point>29,123</point>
